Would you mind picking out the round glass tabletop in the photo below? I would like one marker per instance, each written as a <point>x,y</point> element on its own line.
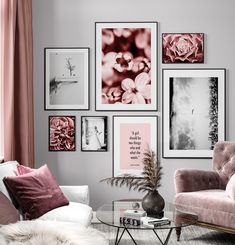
<point>110,214</point>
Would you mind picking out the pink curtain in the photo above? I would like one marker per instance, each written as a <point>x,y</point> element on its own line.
<point>17,67</point>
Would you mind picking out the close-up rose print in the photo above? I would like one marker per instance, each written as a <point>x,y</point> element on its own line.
<point>183,48</point>
<point>126,65</point>
<point>62,133</point>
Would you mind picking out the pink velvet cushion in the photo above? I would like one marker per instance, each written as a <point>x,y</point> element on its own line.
<point>24,170</point>
<point>230,188</point>
<point>36,192</point>
<point>8,213</point>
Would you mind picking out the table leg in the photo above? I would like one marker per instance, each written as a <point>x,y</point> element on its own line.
<point>117,240</point>
<point>167,238</point>
<point>178,232</point>
<point>131,237</point>
<point>117,236</point>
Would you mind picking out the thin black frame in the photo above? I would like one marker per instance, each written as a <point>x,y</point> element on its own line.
<point>88,77</point>
<point>105,134</point>
<point>156,68</point>
<point>163,112</point>
<point>157,137</point>
<point>181,33</point>
<point>74,118</point>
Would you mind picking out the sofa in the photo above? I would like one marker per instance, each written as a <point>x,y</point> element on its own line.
<point>210,194</point>
<point>78,210</point>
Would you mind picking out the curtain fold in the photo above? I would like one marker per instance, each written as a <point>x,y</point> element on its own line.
<point>17,67</point>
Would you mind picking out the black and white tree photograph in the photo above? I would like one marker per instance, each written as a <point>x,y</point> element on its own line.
<point>195,112</point>
<point>66,78</point>
<point>94,133</point>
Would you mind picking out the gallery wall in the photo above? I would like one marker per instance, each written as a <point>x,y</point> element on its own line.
<point>71,23</point>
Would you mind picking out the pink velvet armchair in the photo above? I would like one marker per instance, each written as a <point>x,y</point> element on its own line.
<point>210,194</point>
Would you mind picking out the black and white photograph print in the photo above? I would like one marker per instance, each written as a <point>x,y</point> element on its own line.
<point>66,78</point>
<point>94,133</point>
<point>194,113</point>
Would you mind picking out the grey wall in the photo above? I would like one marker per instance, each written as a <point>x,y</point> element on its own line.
<point>70,23</point>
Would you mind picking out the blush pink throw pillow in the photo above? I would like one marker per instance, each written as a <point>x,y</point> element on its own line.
<point>24,170</point>
<point>230,188</point>
<point>36,192</point>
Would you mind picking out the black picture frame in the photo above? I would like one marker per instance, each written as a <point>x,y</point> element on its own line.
<point>53,83</point>
<point>99,106</point>
<point>194,134</point>
<point>65,122</point>
<point>153,144</point>
<point>180,59</point>
<point>94,139</point>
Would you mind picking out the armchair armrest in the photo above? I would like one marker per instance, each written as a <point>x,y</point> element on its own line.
<point>189,180</point>
<point>76,193</point>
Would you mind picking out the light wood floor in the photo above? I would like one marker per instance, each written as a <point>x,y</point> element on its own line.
<point>191,235</point>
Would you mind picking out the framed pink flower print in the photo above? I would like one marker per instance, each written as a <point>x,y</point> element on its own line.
<point>132,135</point>
<point>126,66</point>
<point>182,48</point>
<point>62,133</point>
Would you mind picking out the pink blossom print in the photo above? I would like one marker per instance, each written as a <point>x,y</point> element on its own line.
<point>126,66</point>
<point>62,133</point>
<point>183,48</point>
<point>138,91</point>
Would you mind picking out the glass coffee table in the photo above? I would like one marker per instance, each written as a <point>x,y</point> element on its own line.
<point>110,214</point>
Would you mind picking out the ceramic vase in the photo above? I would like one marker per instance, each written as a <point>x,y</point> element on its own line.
<point>153,203</point>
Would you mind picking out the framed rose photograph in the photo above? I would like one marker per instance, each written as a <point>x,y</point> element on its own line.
<point>182,48</point>
<point>132,135</point>
<point>62,133</point>
<point>66,78</point>
<point>126,66</point>
<point>94,133</point>
<point>193,112</point>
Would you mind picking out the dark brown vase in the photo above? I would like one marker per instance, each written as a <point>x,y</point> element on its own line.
<point>153,203</point>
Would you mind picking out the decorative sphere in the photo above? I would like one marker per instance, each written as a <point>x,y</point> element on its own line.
<point>135,205</point>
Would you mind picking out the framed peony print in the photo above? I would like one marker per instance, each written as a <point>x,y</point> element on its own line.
<point>126,66</point>
<point>182,48</point>
<point>132,135</point>
<point>66,78</point>
<point>62,133</point>
<point>193,112</point>
<point>94,133</point>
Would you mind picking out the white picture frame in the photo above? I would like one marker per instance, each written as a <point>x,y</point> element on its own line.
<point>193,112</point>
<point>121,55</point>
<point>94,132</point>
<point>66,78</point>
<point>132,135</point>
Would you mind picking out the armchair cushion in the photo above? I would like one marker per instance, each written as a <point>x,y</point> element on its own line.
<point>230,188</point>
<point>188,180</point>
<point>211,206</point>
